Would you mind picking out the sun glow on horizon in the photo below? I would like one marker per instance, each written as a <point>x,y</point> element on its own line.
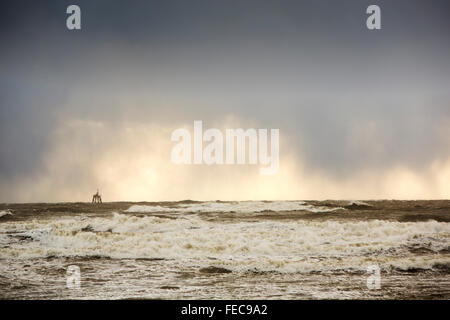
<point>132,163</point>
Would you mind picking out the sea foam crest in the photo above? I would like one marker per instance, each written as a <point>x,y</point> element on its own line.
<point>237,207</point>
<point>5,213</point>
<point>282,246</point>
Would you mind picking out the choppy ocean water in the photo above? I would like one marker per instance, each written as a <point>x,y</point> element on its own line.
<point>226,250</point>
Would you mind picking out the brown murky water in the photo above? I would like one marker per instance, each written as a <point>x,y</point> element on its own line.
<point>226,250</point>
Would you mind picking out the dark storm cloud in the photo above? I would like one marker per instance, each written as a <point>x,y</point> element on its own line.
<point>345,97</point>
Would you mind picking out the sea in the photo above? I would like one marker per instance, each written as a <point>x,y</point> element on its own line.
<point>383,249</point>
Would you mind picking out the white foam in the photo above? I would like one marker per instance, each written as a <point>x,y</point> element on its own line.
<point>5,212</point>
<point>228,207</point>
<point>359,203</point>
<point>284,246</point>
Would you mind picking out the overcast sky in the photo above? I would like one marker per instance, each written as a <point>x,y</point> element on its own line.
<point>361,113</point>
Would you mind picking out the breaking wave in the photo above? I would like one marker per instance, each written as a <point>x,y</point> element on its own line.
<point>233,207</point>
<point>294,246</point>
<point>5,213</point>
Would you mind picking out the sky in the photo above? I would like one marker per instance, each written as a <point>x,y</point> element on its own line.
<point>362,114</point>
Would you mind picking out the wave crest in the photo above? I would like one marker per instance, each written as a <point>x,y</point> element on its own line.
<point>232,207</point>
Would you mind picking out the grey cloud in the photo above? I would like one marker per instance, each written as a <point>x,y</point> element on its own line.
<point>346,98</point>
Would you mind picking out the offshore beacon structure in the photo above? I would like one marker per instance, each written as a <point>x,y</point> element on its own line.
<point>97,198</point>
